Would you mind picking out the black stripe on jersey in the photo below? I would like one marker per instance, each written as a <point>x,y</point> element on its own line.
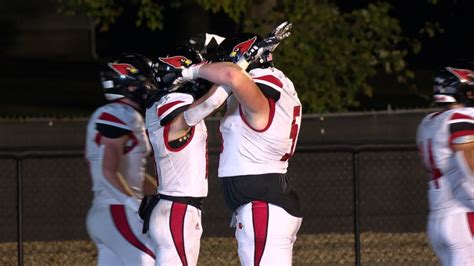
<point>268,91</point>
<point>111,132</point>
<point>461,126</point>
<point>172,115</point>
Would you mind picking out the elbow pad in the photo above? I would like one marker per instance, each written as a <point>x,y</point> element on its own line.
<point>197,113</point>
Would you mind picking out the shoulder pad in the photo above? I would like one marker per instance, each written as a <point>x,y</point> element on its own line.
<point>171,104</point>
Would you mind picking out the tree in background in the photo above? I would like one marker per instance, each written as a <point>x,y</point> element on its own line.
<point>331,55</point>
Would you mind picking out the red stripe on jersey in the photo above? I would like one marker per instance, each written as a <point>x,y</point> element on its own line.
<point>470,221</point>
<point>271,102</point>
<point>436,173</point>
<point>111,118</point>
<point>166,139</point>
<point>460,116</point>
<point>459,134</point>
<point>260,228</point>
<point>271,79</point>
<point>167,106</point>
<point>120,220</point>
<point>219,133</point>
<point>97,139</point>
<point>178,212</point>
<point>132,143</point>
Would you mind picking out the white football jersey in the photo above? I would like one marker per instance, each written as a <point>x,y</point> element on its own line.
<point>247,151</point>
<point>449,190</point>
<point>182,172</point>
<point>132,167</point>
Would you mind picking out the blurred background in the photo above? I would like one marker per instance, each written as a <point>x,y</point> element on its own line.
<point>343,55</point>
<point>363,71</point>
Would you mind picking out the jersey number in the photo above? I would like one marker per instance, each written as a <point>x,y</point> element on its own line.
<point>293,133</point>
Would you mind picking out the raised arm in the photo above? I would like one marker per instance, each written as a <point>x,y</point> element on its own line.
<point>255,104</point>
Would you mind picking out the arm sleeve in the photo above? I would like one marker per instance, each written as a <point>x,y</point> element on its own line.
<point>197,113</point>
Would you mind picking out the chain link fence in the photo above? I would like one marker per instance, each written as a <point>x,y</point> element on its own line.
<point>363,205</point>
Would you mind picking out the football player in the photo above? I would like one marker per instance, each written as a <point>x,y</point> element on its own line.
<point>175,123</point>
<point>259,130</point>
<point>116,148</point>
<point>445,141</point>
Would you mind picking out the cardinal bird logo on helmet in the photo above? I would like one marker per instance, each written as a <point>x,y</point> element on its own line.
<point>176,61</point>
<point>464,75</point>
<point>243,47</point>
<point>123,69</point>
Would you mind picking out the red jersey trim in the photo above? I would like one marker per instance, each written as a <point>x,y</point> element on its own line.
<point>458,134</point>
<point>166,107</point>
<point>470,221</point>
<point>166,139</point>
<point>460,116</point>
<point>98,138</point>
<point>271,103</point>
<point>134,140</point>
<point>111,118</point>
<point>260,216</point>
<point>272,79</point>
<point>177,215</point>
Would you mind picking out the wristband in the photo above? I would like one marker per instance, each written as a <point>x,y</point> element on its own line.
<point>191,72</point>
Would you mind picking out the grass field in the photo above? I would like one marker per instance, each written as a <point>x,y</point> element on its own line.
<point>320,249</point>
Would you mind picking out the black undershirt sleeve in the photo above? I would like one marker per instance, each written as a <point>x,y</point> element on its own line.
<point>172,115</point>
<point>111,132</point>
<point>269,92</point>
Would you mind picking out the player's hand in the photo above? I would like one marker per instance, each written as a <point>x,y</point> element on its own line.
<point>191,72</point>
<point>281,32</point>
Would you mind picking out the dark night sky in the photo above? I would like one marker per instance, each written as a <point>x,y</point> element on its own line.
<point>453,44</point>
<point>454,16</point>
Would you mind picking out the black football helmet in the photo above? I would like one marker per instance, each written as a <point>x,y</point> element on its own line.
<point>454,85</point>
<point>167,69</point>
<point>167,73</point>
<point>233,48</point>
<point>128,76</point>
